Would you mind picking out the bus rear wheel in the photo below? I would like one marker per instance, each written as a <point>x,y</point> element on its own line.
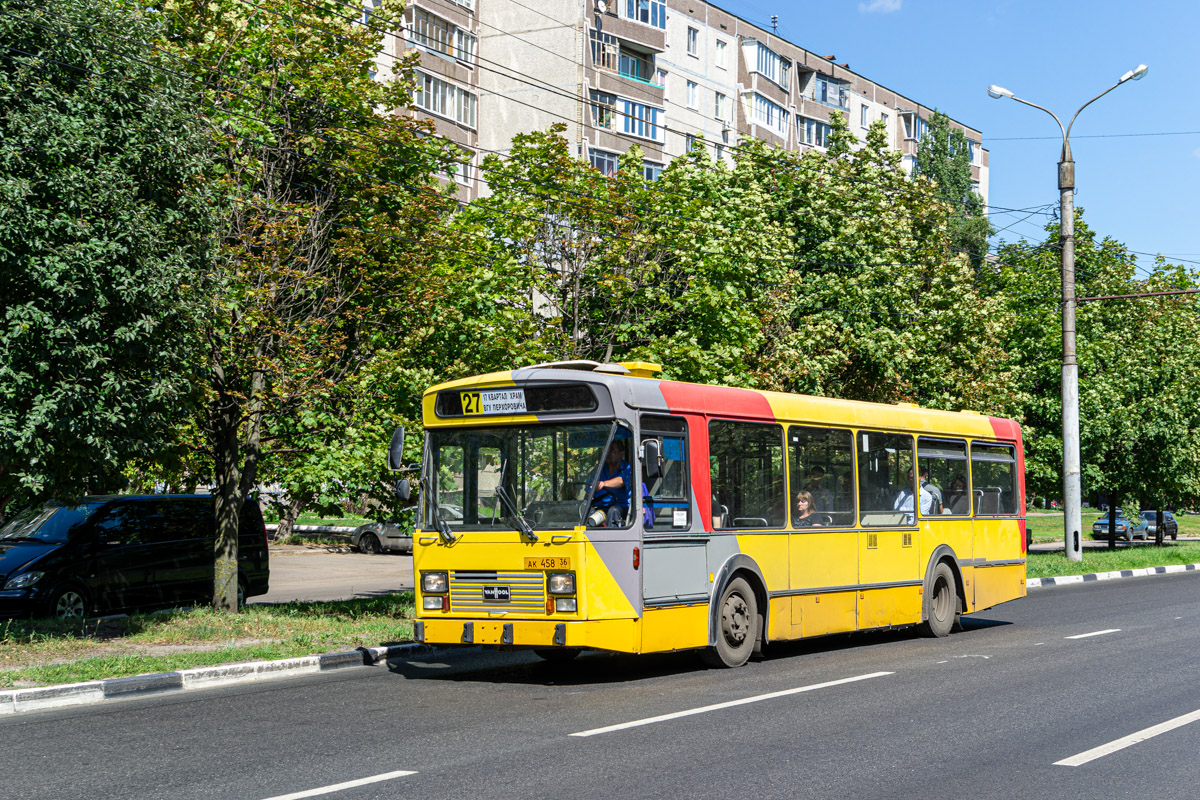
<point>737,626</point>
<point>943,602</point>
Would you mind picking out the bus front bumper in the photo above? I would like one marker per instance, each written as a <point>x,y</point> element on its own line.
<point>619,634</point>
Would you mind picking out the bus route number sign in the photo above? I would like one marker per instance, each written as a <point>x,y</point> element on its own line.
<point>493,401</point>
<point>548,562</point>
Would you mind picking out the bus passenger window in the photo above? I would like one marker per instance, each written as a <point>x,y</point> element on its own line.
<point>665,497</point>
<point>746,466</point>
<point>942,468</point>
<point>887,490</point>
<point>821,463</point>
<point>994,479</point>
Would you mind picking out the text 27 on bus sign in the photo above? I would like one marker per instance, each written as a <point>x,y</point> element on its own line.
<point>493,401</point>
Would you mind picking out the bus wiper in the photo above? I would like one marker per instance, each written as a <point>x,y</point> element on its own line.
<point>443,527</point>
<point>520,523</point>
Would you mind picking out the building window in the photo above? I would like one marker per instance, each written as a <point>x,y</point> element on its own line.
<point>719,106</point>
<point>462,170</point>
<point>651,170</point>
<point>445,100</point>
<point>768,63</point>
<point>768,114</point>
<point>719,54</point>
<point>442,37</point>
<point>914,126</point>
<point>693,42</point>
<point>636,66</point>
<point>884,119</point>
<point>830,92</point>
<point>604,109</point>
<point>606,162</point>
<point>651,12</point>
<point>641,120</point>
<point>973,151</point>
<point>863,116</point>
<point>468,4</point>
<point>720,151</point>
<point>693,95</point>
<point>813,132</point>
<point>605,51</point>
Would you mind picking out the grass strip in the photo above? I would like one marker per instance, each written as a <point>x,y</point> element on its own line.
<point>48,652</point>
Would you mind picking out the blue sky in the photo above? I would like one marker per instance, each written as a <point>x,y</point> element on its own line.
<point>1134,186</point>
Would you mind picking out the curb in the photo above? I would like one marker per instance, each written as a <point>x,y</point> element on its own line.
<point>41,698</point>
<point>1037,583</point>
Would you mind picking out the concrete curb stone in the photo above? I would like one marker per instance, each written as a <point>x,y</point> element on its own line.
<point>16,701</point>
<point>1038,583</point>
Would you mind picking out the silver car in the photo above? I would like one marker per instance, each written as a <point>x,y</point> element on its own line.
<point>378,537</point>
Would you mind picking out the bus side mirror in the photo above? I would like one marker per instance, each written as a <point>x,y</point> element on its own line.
<point>653,454</point>
<point>396,451</point>
<point>403,489</point>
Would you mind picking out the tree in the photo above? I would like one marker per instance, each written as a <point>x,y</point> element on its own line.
<point>1139,368</point>
<point>943,156</point>
<point>332,203</point>
<point>104,225</point>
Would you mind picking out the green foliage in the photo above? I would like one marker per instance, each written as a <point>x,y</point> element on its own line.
<point>104,226</point>
<point>1139,369</point>
<point>943,157</point>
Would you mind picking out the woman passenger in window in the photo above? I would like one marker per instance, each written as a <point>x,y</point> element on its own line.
<point>804,516</point>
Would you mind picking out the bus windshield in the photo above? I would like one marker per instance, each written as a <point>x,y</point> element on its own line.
<point>546,469</point>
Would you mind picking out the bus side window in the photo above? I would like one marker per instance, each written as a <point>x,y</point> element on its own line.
<point>822,464</point>
<point>666,497</point>
<point>886,484</point>
<point>746,467</point>
<point>994,478</point>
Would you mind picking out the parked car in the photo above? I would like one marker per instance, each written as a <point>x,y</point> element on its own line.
<point>1170,524</point>
<point>377,537</point>
<point>1126,528</point>
<point>110,553</point>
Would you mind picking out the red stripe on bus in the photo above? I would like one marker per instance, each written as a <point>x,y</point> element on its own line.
<point>1009,430</point>
<point>716,400</point>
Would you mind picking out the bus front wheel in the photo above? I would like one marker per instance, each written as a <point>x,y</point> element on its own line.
<point>943,601</point>
<point>737,626</point>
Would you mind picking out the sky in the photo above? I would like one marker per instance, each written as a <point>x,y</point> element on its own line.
<point>1136,150</point>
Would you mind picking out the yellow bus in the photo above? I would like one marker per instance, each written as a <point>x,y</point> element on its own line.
<point>579,505</point>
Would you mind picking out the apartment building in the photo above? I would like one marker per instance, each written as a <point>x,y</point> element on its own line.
<point>664,74</point>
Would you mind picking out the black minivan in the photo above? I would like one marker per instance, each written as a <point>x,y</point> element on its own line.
<point>119,553</point>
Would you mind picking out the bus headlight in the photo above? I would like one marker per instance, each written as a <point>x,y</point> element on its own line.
<point>432,603</point>
<point>560,583</point>
<point>565,605</point>
<point>434,582</point>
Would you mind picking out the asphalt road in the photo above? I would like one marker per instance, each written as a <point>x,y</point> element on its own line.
<point>985,713</point>
<point>307,574</point>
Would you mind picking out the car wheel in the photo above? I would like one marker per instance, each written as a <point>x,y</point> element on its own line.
<point>369,543</point>
<point>67,602</point>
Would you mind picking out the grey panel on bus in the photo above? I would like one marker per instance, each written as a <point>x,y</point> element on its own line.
<point>675,570</point>
<point>721,547</point>
<point>618,559</point>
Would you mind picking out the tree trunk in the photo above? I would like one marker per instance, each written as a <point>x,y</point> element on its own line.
<point>287,521</point>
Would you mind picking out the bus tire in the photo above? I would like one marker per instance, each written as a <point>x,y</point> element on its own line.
<point>942,592</point>
<point>737,626</point>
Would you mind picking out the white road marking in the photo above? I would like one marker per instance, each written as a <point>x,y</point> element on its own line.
<point>729,704</point>
<point>337,787</point>
<point>1127,741</point>
<point>1093,633</point>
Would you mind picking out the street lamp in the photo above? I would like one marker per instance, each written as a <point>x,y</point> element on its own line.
<point>1072,497</point>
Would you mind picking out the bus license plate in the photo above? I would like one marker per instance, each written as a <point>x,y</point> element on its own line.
<point>548,562</point>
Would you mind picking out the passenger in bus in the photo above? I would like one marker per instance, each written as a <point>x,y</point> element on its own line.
<point>845,495</point>
<point>804,516</point>
<point>904,499</point>
<point>935,492</point>
<point>820,495</point>
<point>718,513</point>
<point>612,489</point>
<point>957,500</point>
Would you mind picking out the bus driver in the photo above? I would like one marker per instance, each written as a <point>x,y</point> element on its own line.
<point>612,489</point>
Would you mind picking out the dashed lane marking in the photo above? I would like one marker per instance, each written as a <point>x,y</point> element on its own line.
<point>1093,633</point>
<point>1127,741</point>
<point>730,704</point>
<point>337,787</point>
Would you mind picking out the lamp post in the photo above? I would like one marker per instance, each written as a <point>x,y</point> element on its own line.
<point>1072,496</point>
